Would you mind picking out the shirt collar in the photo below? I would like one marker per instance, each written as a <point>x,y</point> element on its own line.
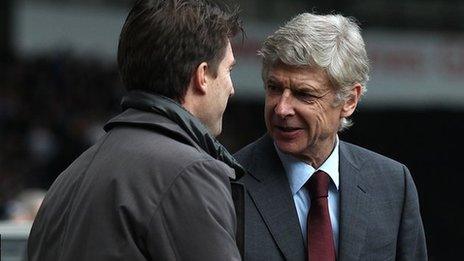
<point>298,172</point>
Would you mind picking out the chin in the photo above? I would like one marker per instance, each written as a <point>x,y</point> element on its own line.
<point>287,147</point>
<point>216,131</point>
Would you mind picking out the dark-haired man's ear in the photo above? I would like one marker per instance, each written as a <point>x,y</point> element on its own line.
<point>350,104</point>
<point>200,79</point>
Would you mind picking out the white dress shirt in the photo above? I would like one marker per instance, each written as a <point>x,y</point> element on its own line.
<point>298,172</point>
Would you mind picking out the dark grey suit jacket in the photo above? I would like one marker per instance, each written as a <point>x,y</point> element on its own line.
<point>379,210</point>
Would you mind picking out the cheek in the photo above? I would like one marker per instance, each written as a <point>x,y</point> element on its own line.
<point>322,122</point>
<point>320,114</point>
<point>227,82</point>
<point>223,86</point>
<point>312,118</point>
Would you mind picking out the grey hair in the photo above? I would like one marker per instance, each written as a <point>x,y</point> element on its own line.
<point>332,43</point>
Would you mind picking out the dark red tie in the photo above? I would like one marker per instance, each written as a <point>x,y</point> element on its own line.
<point>320,238</point>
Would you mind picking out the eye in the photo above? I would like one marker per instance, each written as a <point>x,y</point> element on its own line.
<point>273,88</point>
<point>305,96</point>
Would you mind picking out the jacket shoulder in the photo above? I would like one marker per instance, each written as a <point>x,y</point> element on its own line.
<point>383,175</point>
<point>362,156</point>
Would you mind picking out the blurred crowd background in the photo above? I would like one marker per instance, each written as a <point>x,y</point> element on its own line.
<point>59,84</point>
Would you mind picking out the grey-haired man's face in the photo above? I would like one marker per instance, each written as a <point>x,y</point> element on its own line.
<point>299,109</point>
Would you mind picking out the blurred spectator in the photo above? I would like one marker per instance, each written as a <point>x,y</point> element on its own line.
<point>41,143</point>
<point>45,103</point>
<point>25,206</point>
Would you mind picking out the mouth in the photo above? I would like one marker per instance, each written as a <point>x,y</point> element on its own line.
<point>287,129</point>
<point>287,132</point>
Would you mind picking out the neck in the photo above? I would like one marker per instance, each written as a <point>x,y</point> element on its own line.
<point>190,105</point>
<point>318,153</point>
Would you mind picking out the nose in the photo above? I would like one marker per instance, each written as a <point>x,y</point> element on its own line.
<point>284,106</point>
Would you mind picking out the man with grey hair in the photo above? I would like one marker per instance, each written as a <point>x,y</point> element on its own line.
<point>311,196</point>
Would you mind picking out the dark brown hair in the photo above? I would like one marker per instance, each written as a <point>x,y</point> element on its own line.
<point>163,42</point>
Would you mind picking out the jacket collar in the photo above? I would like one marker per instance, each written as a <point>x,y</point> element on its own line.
<point>175,114</point>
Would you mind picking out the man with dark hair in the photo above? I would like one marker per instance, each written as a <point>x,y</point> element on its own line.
<point>157,185</point>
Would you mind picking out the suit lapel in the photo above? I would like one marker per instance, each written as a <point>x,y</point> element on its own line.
<point>273,199</point>
<point>353,206</point>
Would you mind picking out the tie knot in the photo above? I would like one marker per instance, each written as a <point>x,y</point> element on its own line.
<point>318,185</point>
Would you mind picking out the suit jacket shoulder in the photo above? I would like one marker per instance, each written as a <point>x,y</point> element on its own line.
<point>360,155</point>
<point>379,208</point>
<point>385,176</point>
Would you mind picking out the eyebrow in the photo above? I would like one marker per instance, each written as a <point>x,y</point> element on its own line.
<point>307,87</point>
<point>298,87</point>
<point>274,81</point>
<point>271,78</point>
